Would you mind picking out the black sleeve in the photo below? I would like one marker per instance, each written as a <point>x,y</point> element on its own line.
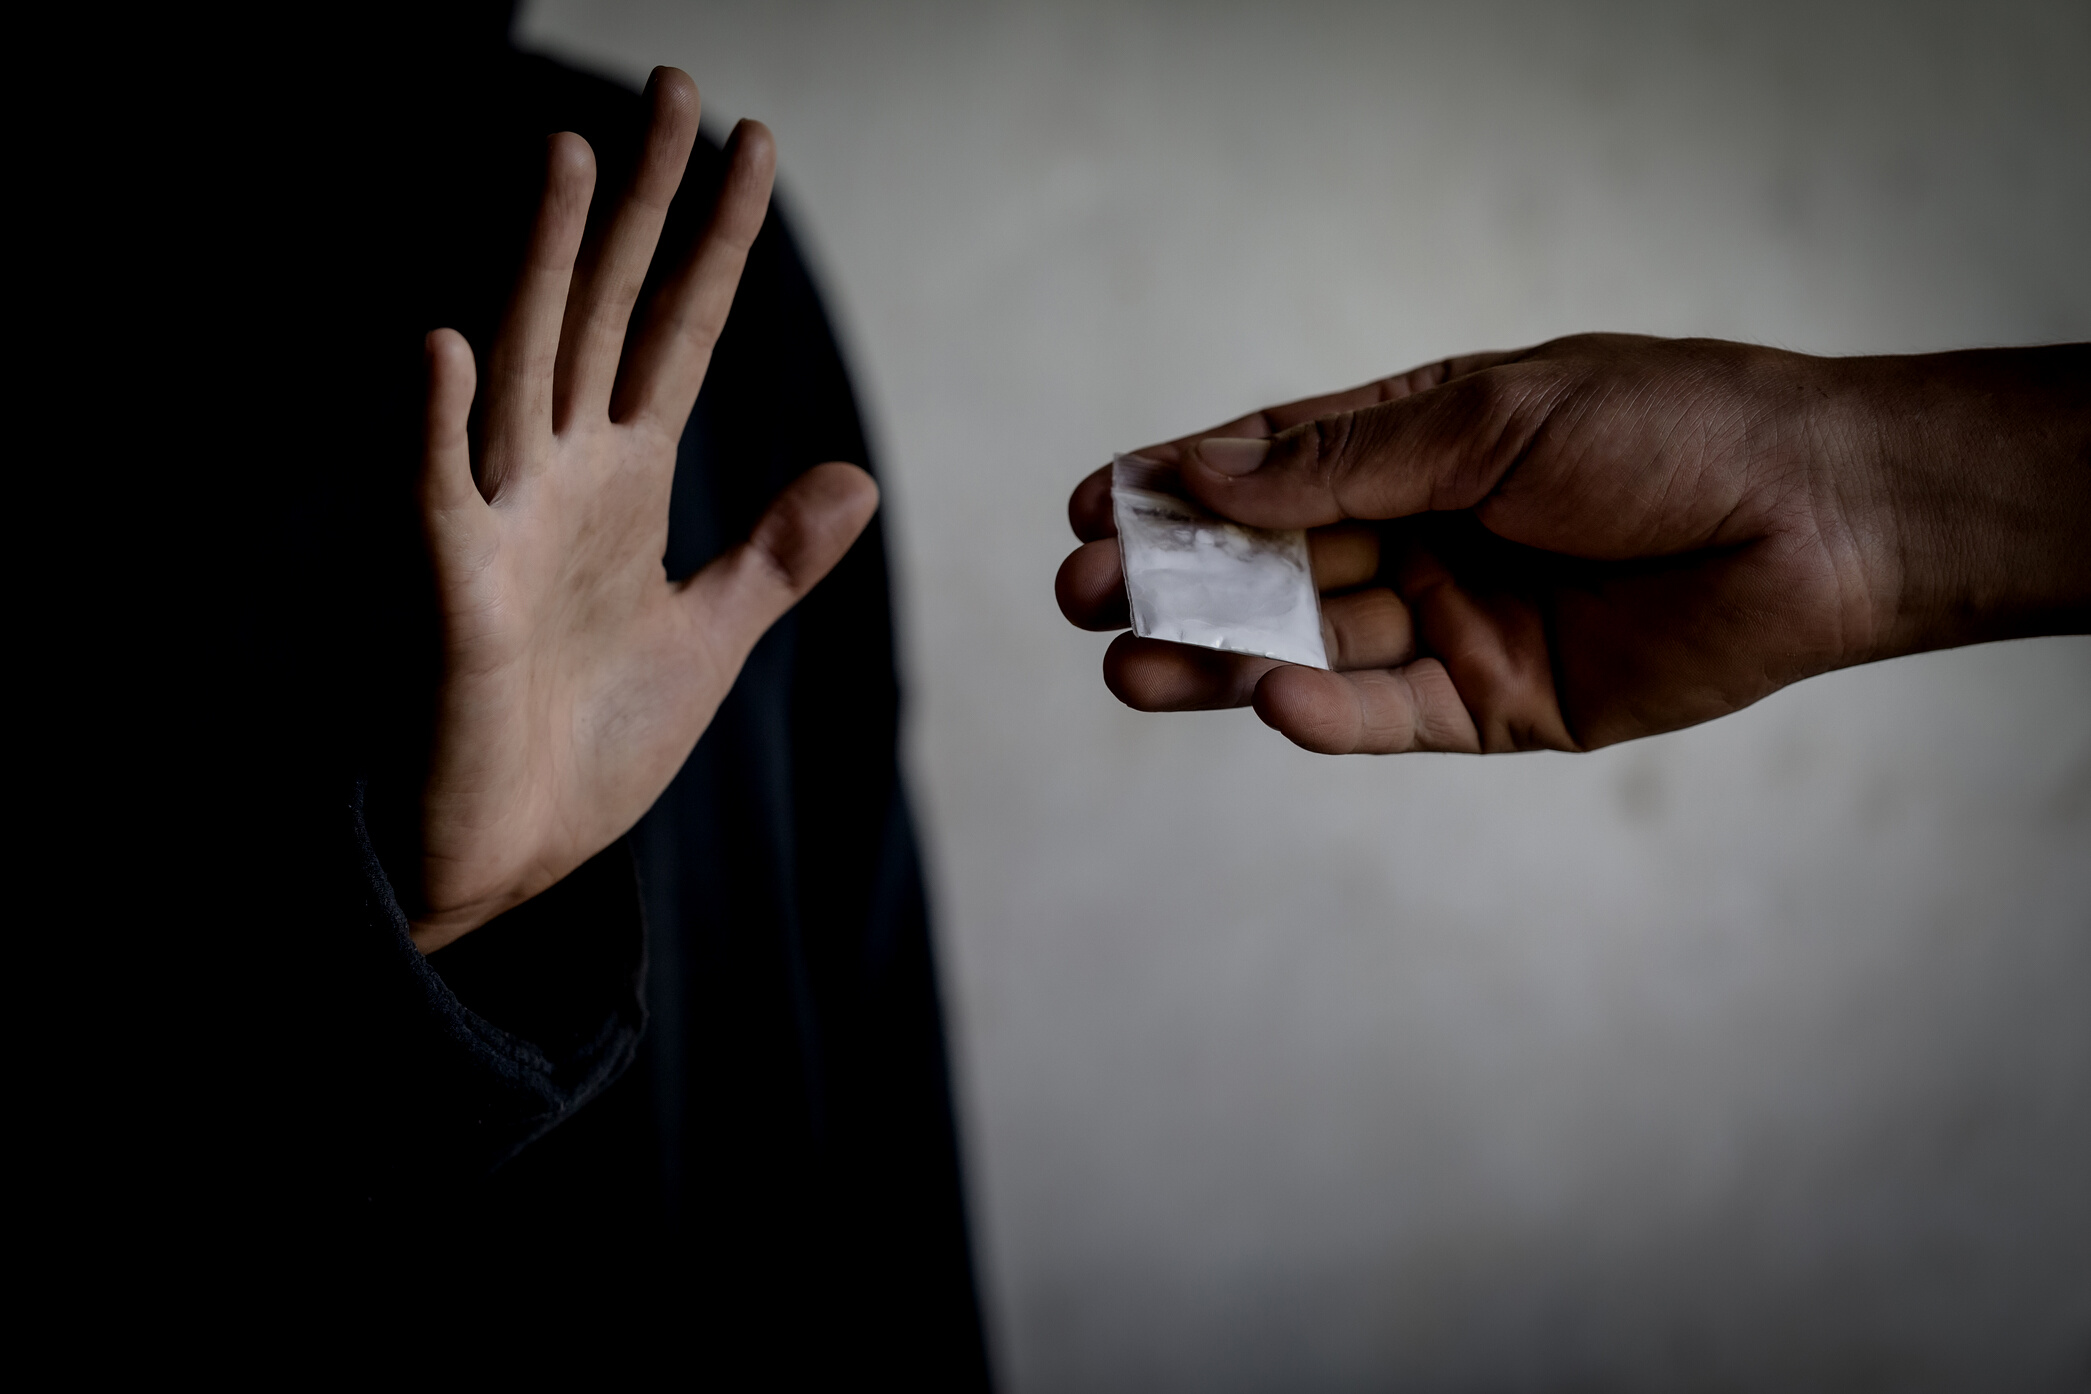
<point>415,1075</point>
<point>452,1063</point>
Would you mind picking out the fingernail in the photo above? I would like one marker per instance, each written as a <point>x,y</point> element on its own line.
<point>1231,456</point>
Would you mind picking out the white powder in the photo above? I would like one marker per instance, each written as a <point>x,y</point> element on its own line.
<point>1194,578</point>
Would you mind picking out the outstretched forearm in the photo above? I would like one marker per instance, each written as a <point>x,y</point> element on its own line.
<point>1608,536</point>
<point>1983,459</point>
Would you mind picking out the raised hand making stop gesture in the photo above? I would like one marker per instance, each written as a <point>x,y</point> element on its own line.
<point>577,675</point>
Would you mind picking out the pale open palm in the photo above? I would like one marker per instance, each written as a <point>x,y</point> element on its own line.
<point>577,675</point>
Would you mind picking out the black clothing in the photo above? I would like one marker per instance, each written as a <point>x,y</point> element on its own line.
<point>768,1170</point>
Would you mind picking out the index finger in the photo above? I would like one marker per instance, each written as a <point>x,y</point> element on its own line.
<point>1089,508</point>
<point>1271,420</point>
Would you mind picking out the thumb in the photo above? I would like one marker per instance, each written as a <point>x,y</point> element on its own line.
<point>1443,448</point>
<point>446,450</point>
<point>806,530</point>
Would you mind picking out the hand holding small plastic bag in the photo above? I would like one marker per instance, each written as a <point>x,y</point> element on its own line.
<point>1609,536</point>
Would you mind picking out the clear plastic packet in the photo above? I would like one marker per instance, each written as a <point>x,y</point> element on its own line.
<point>1194,578</point>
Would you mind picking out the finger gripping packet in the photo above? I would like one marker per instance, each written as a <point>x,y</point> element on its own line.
<point>1195,578</point>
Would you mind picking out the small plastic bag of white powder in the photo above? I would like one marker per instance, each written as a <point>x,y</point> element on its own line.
<point>1194,578</point>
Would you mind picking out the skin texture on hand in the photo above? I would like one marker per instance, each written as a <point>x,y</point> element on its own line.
<point>577,676</point>
<point>1611,536</point>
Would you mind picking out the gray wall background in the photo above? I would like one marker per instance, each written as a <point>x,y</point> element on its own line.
<point>1756,1056</point>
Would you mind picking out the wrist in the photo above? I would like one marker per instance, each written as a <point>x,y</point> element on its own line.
<point>1966,479</point>
<point>434,929</point>
<point>450,907</point>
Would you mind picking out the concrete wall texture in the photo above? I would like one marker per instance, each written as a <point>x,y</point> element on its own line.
<point>1756,1056</point>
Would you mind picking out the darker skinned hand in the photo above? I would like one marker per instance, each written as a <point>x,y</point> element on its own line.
<point>1610,536</point>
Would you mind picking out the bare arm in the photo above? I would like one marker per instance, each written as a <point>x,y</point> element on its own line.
<point>1609,536</point>
<point>577,676</point>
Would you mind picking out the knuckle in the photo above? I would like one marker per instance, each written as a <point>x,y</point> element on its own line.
<point>1323,451</point>
<point>1493,417</point>
<point>1331,438</point>
<point>1352,455</point>
<point>1332,641</point>
<point>774,552</point>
